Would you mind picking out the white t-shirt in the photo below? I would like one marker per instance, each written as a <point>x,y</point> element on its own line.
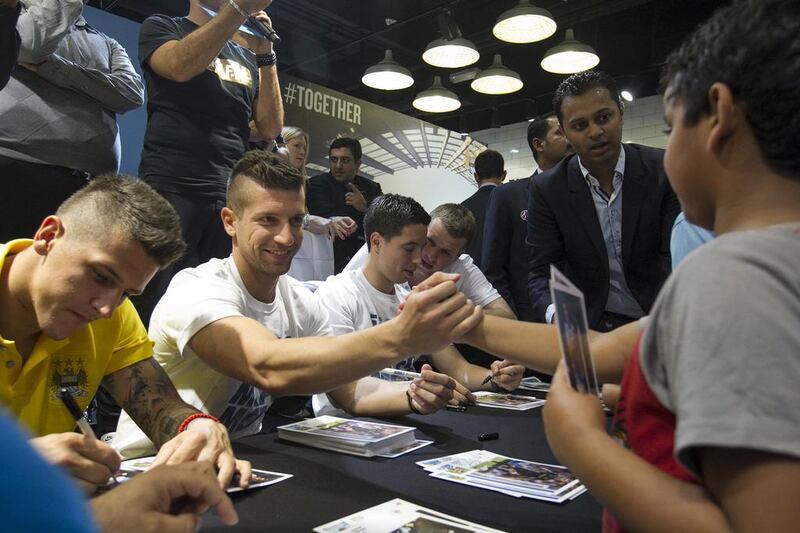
<point>195,298</point>
<point>472,282</point>
<point>353,304</point>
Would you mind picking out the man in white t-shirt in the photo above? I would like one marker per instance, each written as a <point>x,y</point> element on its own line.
<point>450,231</point>
<point>233,333</point>
<point>358,299</point>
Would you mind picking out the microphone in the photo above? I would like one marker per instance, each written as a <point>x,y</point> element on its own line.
<point>262,28</point>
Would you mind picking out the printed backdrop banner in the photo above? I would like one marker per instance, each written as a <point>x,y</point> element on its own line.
<point>391,141</point>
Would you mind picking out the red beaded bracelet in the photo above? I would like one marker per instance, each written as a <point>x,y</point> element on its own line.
<point>195,416</point>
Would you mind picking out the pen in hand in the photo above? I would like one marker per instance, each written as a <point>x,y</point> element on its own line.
<point>78,416</point>
<point>487,379</point>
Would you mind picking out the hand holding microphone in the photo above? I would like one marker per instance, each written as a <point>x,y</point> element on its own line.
<point>256,19</point>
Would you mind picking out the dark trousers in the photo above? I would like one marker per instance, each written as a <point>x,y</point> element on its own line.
<point>609,321</point>
<point>30,191</point>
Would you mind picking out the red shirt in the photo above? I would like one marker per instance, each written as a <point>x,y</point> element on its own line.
<point>644,426</point>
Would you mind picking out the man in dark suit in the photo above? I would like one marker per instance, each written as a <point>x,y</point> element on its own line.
<point>489,173</point>
<point>602,216</point>
<point>342,192</point>
<point>505,252</point>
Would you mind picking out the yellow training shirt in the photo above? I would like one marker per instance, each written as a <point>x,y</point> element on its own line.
<point>30,391</point>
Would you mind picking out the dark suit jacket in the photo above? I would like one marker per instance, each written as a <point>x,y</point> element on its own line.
<point>505,252</point>
<point>477,204</point>
<point>325,198</point>
<point>563,230</point>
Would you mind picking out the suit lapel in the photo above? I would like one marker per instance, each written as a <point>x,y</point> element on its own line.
<point>633,191</point>
<point>580,200</point>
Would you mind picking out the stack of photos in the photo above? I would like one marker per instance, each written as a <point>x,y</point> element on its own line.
<point>395,374</point>
<point>400,516</point>
<point>356,437</point>
<point>133,467</point>
<point>514,477</point>
<point>506,401</point>
<point>532,383</point>
<point>573,332</point>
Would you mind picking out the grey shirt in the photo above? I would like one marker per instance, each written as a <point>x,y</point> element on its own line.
<point>65,113</point>
<point>722,347</point>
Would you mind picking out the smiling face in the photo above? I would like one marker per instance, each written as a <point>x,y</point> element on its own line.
<point>82,280</point>
<point>593,126</point>
<point>298,151</point>
<point>439,252</point>
<point>268,230</point>
<point>397,258</point>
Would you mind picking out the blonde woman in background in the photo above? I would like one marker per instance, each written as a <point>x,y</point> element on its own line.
<point>307,264</point>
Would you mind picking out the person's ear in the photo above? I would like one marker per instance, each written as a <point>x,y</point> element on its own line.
<point>51,229</point>
<point>503,176</point>
<point>375,241</point>
<point>228,220</point>
<point>724,118</point>
<point>538,145</point>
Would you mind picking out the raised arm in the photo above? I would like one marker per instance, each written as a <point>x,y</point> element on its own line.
<point>268,110</point>
<point>181,60</point>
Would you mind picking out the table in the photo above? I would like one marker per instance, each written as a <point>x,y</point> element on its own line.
<point>329,485</point>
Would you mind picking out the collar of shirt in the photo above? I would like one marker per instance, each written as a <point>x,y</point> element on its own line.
<point>619,174</point>
<point>487,185</point>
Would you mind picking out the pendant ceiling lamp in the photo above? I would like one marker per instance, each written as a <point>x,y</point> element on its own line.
<point>451,50</point>
<point>387,75</point>
<point>436,99</point>
<point>524,24</point>
<point>497,79</point>
<point>570,56</point>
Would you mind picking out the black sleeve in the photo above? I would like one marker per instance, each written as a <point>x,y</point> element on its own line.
<point>156,31</point>
<point>546,247</point>
<point>497,231</point>
<point>9,42</point>
<point>319,199</point>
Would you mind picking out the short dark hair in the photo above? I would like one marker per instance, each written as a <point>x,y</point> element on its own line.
<point>113,203</point>
<point>488,164</point>
<point>268,170</point>
<point>579,83</point>
<point>752,47</point>
<point>388,214</point>
<point>457,220</point>
<point>347,142</point>
<point>537,129</point>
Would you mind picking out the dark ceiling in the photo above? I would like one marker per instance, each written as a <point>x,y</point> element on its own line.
<point>332,42</point>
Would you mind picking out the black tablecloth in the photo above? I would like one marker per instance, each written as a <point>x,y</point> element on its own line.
<point>329,485</point>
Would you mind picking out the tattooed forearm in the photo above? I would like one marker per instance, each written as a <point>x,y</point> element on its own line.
<point>146,393</point>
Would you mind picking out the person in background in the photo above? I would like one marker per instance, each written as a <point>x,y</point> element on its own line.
<point>205,83</point>
<point>342,192</point>
<point>58,121</point>
<point>9,39</point>
<point>686,237</point>
<point>602,216</point>
<point>505,250</point>
<point>490,172</point>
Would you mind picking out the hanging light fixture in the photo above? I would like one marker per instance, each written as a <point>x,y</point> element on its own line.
<point>387,75</point>
<point>436,99</point>
<point>497,79</point>
<point>570,56</point>
<point>452,50</point>
<point>524,24</point>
